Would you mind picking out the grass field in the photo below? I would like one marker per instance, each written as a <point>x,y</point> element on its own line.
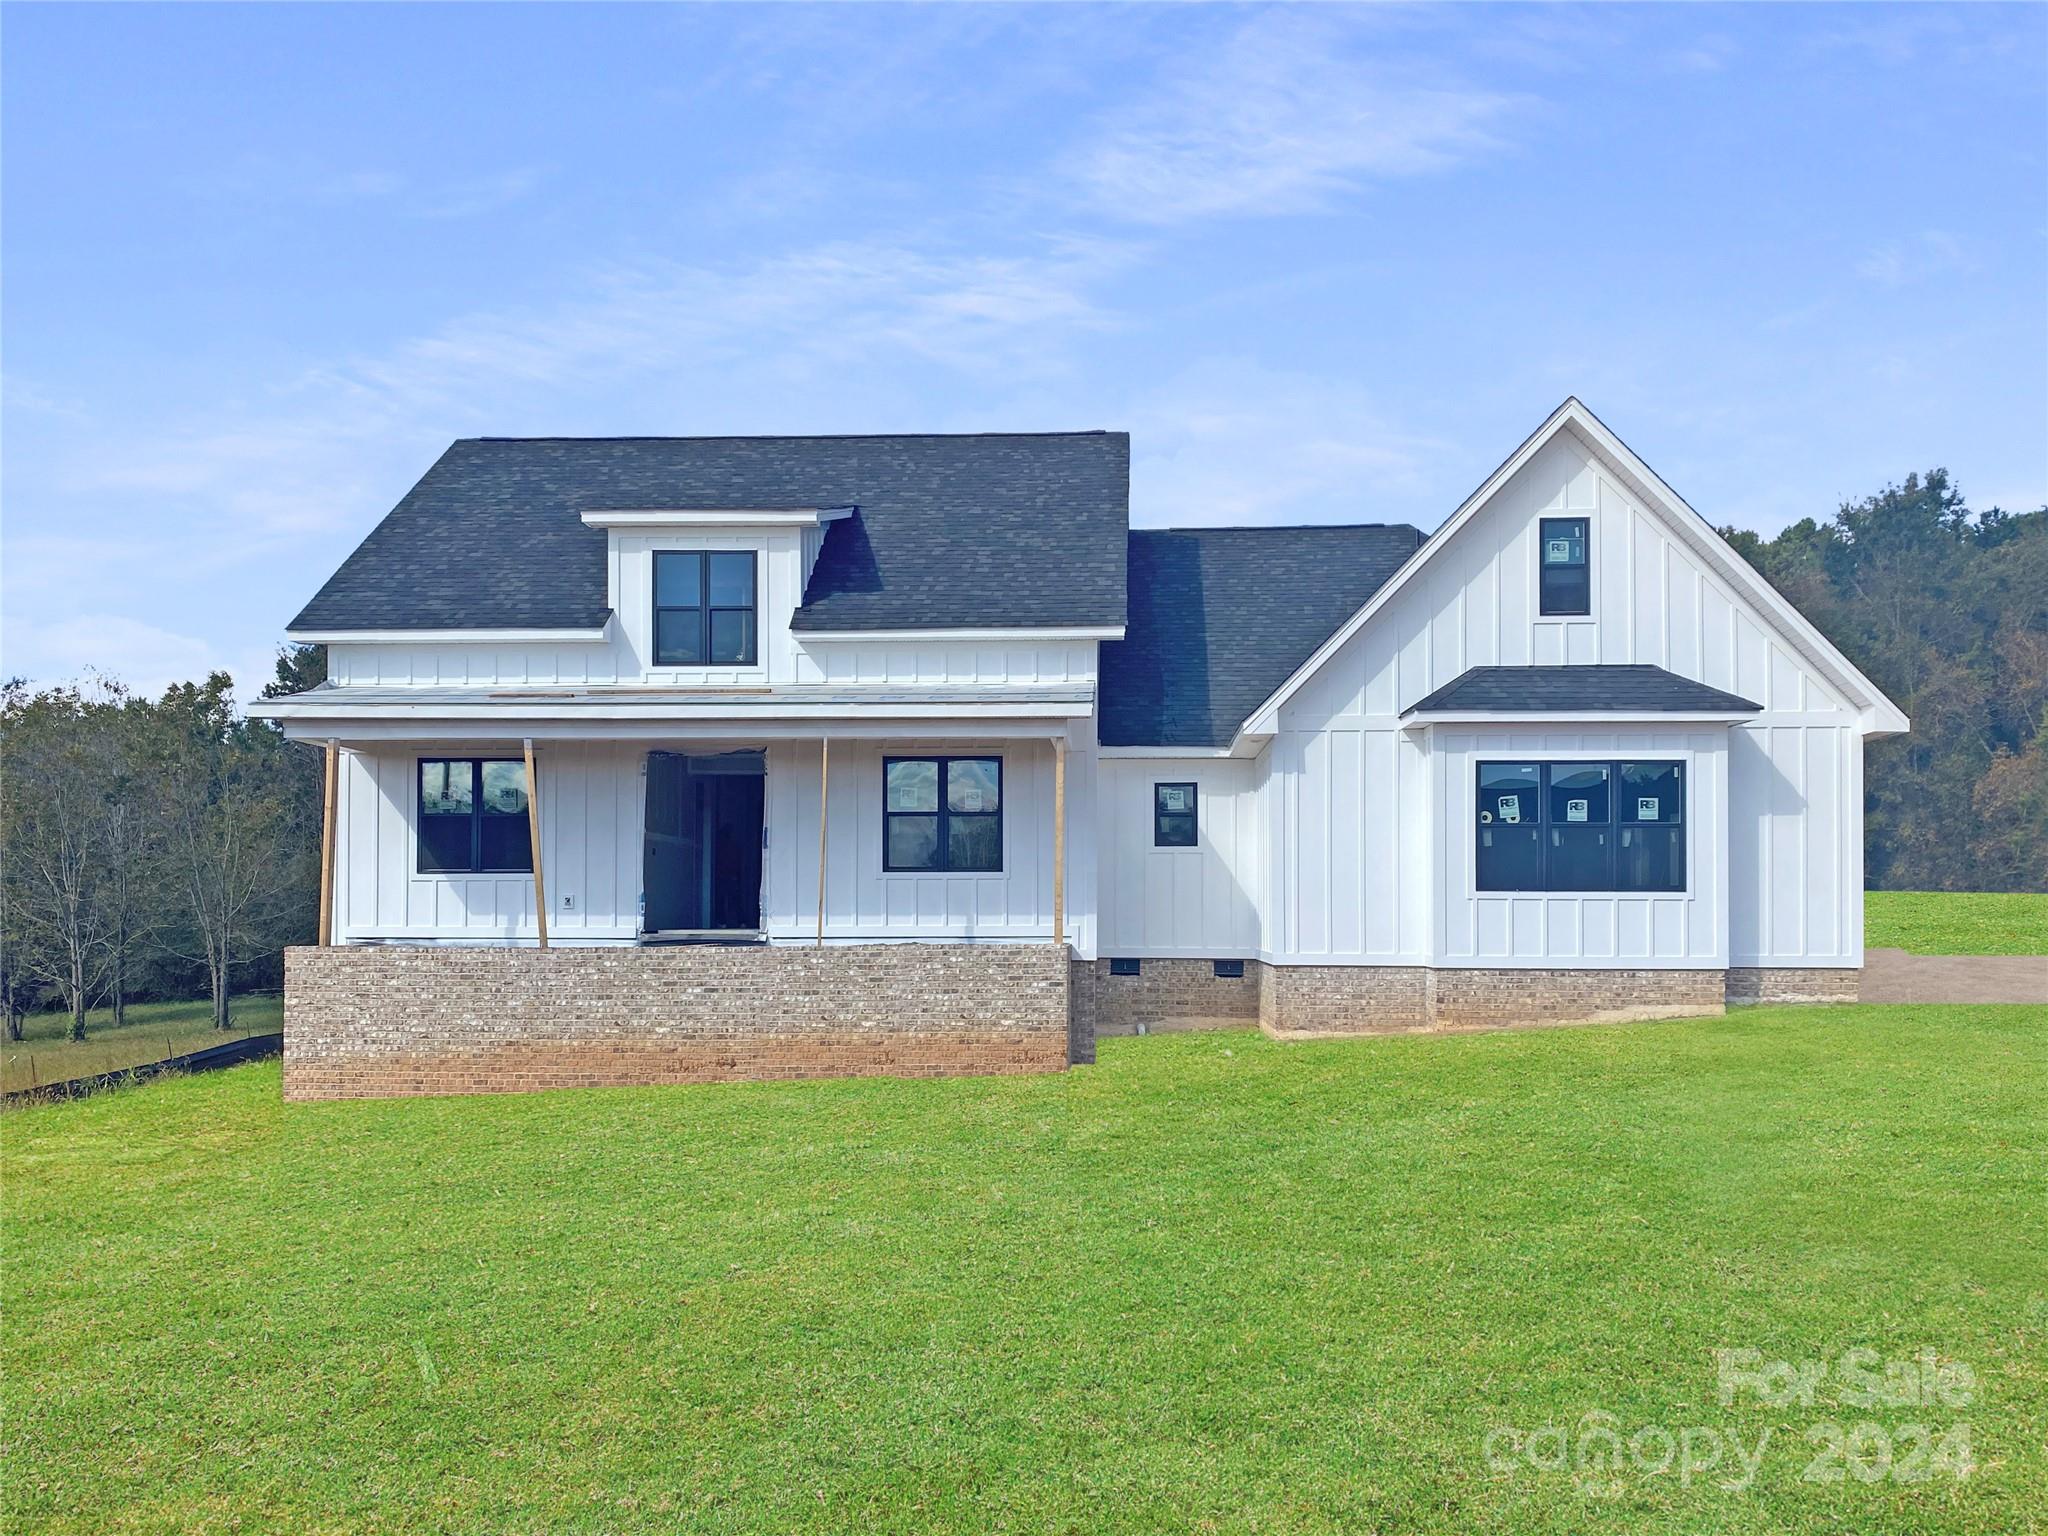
<point>1212,1284</point>
<point>153,1031</point>
<point>1956,922</point>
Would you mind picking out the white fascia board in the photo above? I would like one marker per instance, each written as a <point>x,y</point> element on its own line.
<point>1885,716</point>
<point>1523,719</point>
<point>360,733</point>
<point>669,711</point>
<point>1165,752</point>
<point>449,636</point>
<point>736,517</point>
<point>965,636</point>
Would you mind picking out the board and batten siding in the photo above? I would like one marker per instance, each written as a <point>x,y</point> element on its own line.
<point>1355,865</point>
<point>1200,902</point>
<point>592,800</point>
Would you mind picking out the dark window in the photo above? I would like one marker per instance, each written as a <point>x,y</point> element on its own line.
<point>473,816</point>
<point>1581,827</point>
<point>942,813</point>
<point>1173,816</point>
<point>1565,582</point>
<point>704,608</point>
<point>1123,967</point>
<point>1229,969</point>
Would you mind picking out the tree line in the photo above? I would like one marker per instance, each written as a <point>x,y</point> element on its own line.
<point>161,847</point>
<point>1947,611</point>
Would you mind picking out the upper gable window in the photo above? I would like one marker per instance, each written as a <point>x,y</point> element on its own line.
<point>704,608</point>
<point>1564,581</point>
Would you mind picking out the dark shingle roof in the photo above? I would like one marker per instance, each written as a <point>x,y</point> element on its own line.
<point>1568,690</point>
<point>1220,617</point>
<point>984,531</point>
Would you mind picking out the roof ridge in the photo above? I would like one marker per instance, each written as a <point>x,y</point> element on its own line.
<point>788,437</point>
<point>1277,528</point>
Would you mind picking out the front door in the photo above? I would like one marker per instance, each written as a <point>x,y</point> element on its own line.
<point>702,864</point>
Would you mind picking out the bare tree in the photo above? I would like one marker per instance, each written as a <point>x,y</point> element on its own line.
<point>236,835</point>
<point>54,790</point>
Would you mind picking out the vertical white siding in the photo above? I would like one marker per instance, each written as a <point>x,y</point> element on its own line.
<point>864,901</point>
<point>1358,876</point>
<point>1201,901</point>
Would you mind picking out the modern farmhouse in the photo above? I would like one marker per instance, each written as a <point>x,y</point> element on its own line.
<point>671,759</point>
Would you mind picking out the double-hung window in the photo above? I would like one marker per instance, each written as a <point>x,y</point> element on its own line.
<point>472,816</point>
<point>942,813</point>
<point>1174,823</point>
<point>704,608</point>
<point>1599,826</point>
<point>1564,579</point>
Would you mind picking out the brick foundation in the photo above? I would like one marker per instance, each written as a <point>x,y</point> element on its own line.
<point>1790,984</point>
<point>1174,994</point>
<point>1343,999</point>
<point>376,1021</point>
<point>1307,1001</point>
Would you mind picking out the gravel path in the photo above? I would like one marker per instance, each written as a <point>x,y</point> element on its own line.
<point>1894,976</point>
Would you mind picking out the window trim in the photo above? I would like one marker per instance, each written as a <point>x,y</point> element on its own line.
<point>1682,760</point>
<point>1542,524</point>
<point>705,610</point>
<point>476,817</point>
<point>1194,789</point>
<point>945,814</point>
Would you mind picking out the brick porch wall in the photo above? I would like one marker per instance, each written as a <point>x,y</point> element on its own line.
<point>1308,1000</point>
<point>379,1021</point>
<point>1790,984</point>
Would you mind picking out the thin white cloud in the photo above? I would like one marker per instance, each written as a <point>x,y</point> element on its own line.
<point>1230,442</point>
<point>1931,253</point>
<point>1283,118</point>
<point>145,657</point>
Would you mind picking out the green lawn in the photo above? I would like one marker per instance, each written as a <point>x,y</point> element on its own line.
<point>1213,1284</point>
<point>153,1031</point>
<point>1956,922</point>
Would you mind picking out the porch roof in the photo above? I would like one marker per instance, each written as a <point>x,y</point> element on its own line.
<point>632,710</point>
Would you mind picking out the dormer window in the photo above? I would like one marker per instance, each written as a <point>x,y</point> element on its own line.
<point>704,608</point>
<point>1564,581</point>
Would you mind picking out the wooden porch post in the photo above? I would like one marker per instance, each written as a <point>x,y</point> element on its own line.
<point>326,937</point>
<point>1059,840</point>
<point>540,885</point>
<point>824,800</point>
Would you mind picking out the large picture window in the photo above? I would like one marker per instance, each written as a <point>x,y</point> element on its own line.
<point>942,813</point>
<point>1564,578</point>
<point>1600,826</point>
<point>704,610</point>
<point>473,816</point>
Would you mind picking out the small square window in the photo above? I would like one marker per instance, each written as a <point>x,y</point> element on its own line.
<point>1123,967</point>
<point>1229,970</point>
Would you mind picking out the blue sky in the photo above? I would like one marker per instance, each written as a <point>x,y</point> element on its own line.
<point>1324,264</point>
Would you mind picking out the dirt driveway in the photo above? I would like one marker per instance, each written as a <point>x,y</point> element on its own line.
<point>1894,976</point>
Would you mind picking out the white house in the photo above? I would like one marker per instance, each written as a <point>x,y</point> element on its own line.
<point>647,757</point>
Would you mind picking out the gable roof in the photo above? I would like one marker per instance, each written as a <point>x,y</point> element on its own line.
<point>1220,616</point>
<point>981,531</point>
<point>1600,689</point>
<point>1880,716</point>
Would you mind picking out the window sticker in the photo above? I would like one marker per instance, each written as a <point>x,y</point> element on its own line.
<point>1558,551</point>
<point>970,797</point>
<point>1646,808</point>
<point>1172,798</point>
<point>1511,808</point>
<point>1575,810</point>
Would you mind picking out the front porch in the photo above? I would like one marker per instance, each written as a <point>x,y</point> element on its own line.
<point>383,1021</point>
